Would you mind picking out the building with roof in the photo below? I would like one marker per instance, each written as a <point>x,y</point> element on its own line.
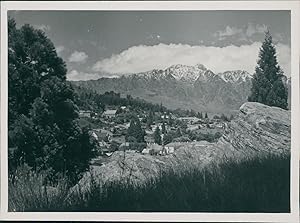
<point>85,113</point>
<point>109,113</point>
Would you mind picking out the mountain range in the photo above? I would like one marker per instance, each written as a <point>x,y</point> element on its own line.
<point>182,86</point>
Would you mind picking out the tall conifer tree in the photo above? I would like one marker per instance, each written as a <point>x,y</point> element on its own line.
<point>267,84</point>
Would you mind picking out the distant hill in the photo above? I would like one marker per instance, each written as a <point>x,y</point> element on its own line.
<point>182,86</point>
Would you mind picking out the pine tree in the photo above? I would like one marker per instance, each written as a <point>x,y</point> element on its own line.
<point>163,128</point>
<point>139,132</point>
<point>150,119</point>
<point>135,130</point>
<point>267,85</point>
<point>157,138</point>
<point>206,116</point>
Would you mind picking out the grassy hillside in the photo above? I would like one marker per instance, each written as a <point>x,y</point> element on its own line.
<point>253,185</point>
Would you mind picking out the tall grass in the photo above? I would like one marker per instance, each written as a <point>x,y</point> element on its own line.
<point>30,191</point>
<point>251,185</point>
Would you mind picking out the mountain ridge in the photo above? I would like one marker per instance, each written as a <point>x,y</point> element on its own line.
<point>182,86</point>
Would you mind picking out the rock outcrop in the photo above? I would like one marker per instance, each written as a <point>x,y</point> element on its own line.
<point>257,130</point>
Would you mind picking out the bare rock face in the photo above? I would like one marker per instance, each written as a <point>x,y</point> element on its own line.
<point>257,130</point>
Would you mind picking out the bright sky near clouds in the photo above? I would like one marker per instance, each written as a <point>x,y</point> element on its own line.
<point>98,43</point>
<point>218,59</point>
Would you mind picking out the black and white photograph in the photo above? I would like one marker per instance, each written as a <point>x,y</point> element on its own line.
<point>150,111</point>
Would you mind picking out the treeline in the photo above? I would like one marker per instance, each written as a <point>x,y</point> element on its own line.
<point>91,100</point>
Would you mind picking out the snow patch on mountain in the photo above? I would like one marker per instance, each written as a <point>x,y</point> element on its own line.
<point>186,73</point>
<point>235,76</point>
<point>191,74</point>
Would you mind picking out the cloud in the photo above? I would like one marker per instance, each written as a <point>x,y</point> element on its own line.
<point>42,27</point>
<point>242,34</point>
<point>75,75</point>
<point>60,49</point>
<point>229,31</point>
<point>254,29</point>
<point>78,57</point>
<point>218,59</point>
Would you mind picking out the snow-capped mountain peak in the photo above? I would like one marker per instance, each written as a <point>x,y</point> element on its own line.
<point>235,76</point>
<point>186,73</point>
<point>191,74</point>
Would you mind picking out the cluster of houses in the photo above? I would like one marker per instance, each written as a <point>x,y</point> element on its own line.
<point>112,137</point>
<point>105,138</point>
<point>90,114</point>
<point>155,149</point>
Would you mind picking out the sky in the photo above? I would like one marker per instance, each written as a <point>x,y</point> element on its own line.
<point>98,44</point>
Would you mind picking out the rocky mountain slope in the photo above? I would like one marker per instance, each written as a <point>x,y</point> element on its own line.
<point>257,130</point>
<point>182,86</point>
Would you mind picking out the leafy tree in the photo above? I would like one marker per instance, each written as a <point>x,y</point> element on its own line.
<point>157,137</point>
<point>43,127</point>
<point>267,85</point>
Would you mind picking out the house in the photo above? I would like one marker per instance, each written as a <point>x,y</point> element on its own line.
<point>193,127</point>
<point>165,116</point>
<point>169,149</point>
<point>189,120</point>
<point>154,149</point>
<point>108,154</point>
<point>119,139</point>
<point>109,113</point>
<point>85,113</point>
<point>145,151</point>
<point>102,135</point>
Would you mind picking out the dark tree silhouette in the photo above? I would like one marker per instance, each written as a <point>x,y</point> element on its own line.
<point>43,128</point>
<point>157,138</point>
<point>135,131</point>
<point>267,84</point>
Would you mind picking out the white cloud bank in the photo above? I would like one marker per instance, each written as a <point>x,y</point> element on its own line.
<point>78,57</point>
<point>218,59</point>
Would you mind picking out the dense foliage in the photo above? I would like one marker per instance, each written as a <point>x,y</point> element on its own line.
<point>91,100</point>
<point>267,85</point>
<point>135,133</point>
<point>42,116</point>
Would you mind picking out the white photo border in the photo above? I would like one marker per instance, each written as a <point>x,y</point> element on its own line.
<point>293,6</point>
